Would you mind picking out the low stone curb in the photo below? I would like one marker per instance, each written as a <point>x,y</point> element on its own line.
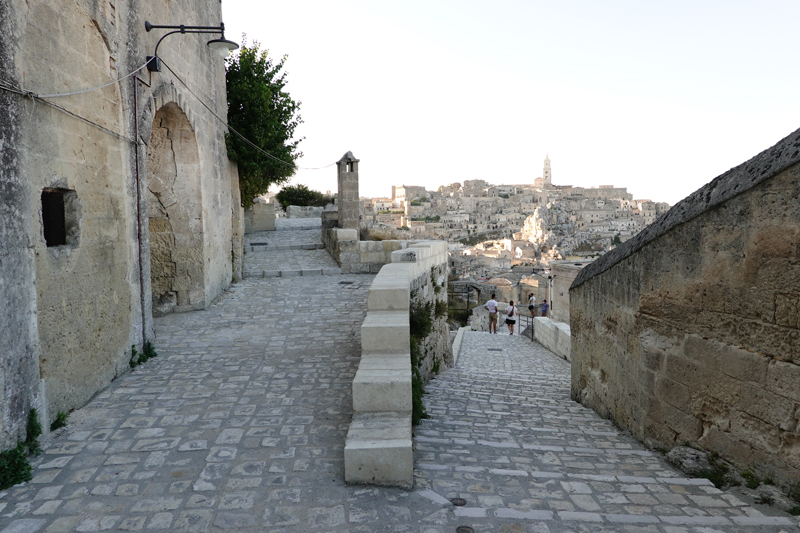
<point>457,342</point>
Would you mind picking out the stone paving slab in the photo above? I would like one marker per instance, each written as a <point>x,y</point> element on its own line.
<point>505,436</point>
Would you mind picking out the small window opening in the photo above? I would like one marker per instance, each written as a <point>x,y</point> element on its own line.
<point>55,229</point>
<point>349,167</point>
<point>60,214</point>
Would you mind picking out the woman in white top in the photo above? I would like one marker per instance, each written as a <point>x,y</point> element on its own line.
<point>511,314</point>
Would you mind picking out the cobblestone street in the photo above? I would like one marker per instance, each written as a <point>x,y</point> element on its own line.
<point>505,436</point>
<point>239,425</point>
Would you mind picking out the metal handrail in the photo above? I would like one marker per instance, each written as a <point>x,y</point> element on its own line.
<point>529,322</point>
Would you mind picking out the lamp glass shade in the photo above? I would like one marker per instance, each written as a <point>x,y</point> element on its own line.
<point>222,46</point>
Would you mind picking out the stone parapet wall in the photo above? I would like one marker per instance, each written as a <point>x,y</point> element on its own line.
<point>378,449</point>
<point>355,256</point>
<point>690,332</point>
<point>259,217</point>
<point>563,275</point>
<point>303,211</point>
<point>555,336</point>
<point>429,289</point>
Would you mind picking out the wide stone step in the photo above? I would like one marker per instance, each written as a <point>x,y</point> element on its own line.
<point>378,450</point>
<point>279,227</point>
<point>256,247</point>
<point>255,273</point>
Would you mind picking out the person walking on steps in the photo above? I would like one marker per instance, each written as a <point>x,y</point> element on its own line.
<point>511,313</point>
<point>532,304</point>
<point>491,306</point>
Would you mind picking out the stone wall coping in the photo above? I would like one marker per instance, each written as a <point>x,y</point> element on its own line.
<point>378,449</point>
<point>341,234</point>
<point>555,336</point>
<point>732,183</point>
<point>457,342</point>
<point>390,289</point>
<point>421,256</point>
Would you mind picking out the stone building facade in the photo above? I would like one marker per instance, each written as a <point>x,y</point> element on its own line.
<point>118,203</point>
<point>690,331</point>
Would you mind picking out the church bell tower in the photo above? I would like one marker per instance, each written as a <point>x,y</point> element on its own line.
<point>547,177</point>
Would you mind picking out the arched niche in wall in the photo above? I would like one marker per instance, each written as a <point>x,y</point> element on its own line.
<point>174,207</point>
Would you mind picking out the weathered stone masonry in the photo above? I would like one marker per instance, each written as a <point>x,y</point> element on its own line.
<point>691,330</point>
<point>19,361</point>
<point>72,310</point>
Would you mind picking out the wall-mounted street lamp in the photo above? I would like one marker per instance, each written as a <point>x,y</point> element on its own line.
<point>221,45</point>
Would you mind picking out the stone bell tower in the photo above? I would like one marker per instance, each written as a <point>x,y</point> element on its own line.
<point>547,177</point>
<point>348,192</point>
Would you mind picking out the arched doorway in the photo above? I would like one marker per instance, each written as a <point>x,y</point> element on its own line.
<point>174,207</point>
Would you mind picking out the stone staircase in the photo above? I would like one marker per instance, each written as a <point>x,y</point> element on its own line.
<point>302,252</point>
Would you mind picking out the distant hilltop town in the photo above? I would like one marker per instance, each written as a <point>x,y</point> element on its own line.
<point>507,225</point>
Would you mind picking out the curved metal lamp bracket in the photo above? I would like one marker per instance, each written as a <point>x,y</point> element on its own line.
<point>154,63</point>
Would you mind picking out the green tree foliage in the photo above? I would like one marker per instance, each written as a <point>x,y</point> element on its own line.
<point>303,196</point>
<point>263,112</point>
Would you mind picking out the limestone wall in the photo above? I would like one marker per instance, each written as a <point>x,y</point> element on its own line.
<point>429,290</point>
<point>359,257</point>
<point>563,276</point>
<point>93,297</point>
<point>19,360</point>
<point>689,331</point>
<point>259,217</point>
<point>303,211</point>
<point>555,336</point>
<point>237,223</point>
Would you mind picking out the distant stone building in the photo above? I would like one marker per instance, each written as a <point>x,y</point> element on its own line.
<point>117,203</point>
<point>406,193</point>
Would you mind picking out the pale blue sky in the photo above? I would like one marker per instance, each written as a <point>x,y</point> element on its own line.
<point>659,97</point>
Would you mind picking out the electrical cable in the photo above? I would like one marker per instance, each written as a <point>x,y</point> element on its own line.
<point>40,97</point>
<point>35,98</point>
<point>245,139</point>
<point>93,88</point>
